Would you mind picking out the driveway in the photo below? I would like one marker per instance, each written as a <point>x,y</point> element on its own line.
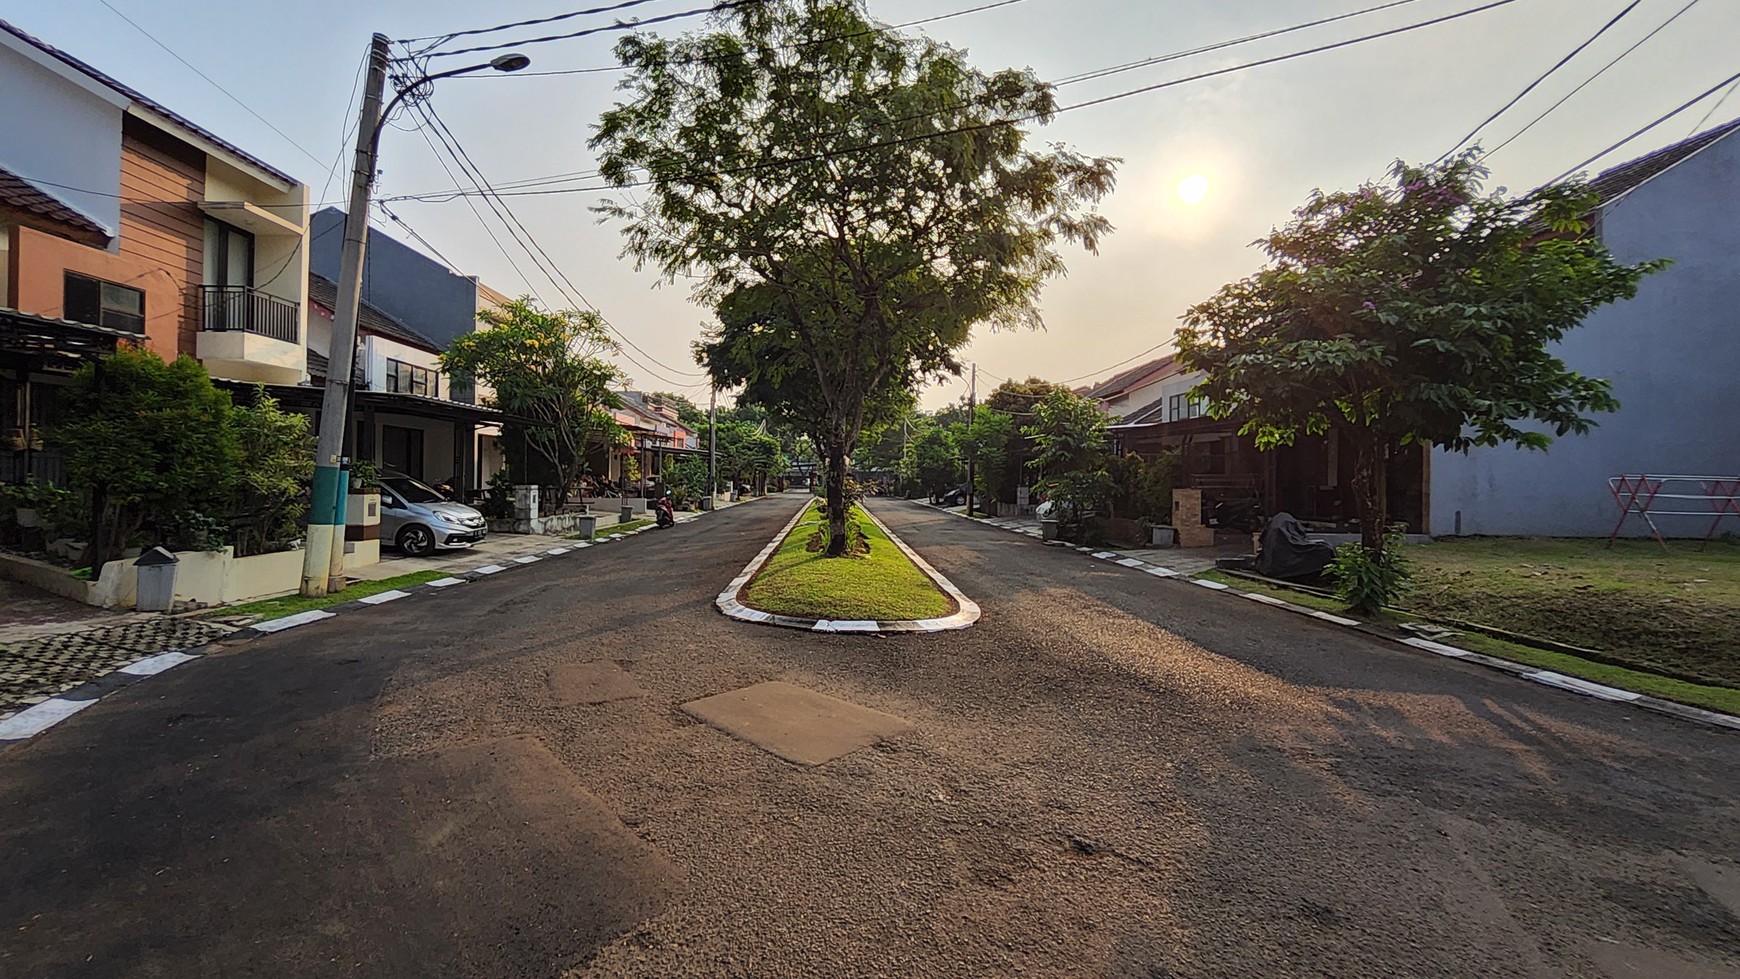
<point>1111,775</point>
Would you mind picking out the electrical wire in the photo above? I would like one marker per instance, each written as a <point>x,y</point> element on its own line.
<point>211,81</point>
<point>1128,360</point>
<point>1586,82</point>
<point>998,123</point>
<point>1719,103</point>
<point>535,251</point>
<point>575,175</point>
<point>350,124</point>
<point>444,38</point>
<point>1536,83</point>
<point>401,222</point>
<point>1713,89</point>
<point>783,47</point>
<point>607,28</point>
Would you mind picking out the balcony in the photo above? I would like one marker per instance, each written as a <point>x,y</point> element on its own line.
<point>241,308</point>
<point>246,335</point>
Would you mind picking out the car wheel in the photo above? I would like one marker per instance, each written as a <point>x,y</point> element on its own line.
<point>416,541</point>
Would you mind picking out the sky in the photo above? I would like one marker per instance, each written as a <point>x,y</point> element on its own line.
<point>1208,166</point>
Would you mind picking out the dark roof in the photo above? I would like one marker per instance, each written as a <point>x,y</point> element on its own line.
<point>325,292</point>
<point>1112,386</point>
<point>1148,414</point>
<point>22,195</point>
<point>155,108</point>
<point>1618,181</point>
<point>48,336</point>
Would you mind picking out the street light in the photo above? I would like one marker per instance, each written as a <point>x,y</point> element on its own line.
<point>323,557</point>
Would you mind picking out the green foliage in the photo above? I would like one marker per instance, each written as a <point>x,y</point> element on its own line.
<point>686,479</point>
<point>843,268</point>
<point>365,474</point>
<point>31,495</point>
<point>545,367</point>
<point>931,464</point>
<point>1017,400</point>
<point>985,443</point>
<point>1424,311</point>
<point>1069,434</point>
<point>498,500</point>
<point>1367,580</point>
<point>147,442</point>
<point>277,462</point>
<point>1142,488</point>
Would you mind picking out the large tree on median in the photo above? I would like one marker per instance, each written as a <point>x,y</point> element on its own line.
<point>1421,312</point>
<point>871,188</point>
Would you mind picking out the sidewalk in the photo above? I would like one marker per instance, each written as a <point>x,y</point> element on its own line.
<point>1183,561</point>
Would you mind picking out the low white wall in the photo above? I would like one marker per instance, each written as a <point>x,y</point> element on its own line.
<point>47,577</point>
<point>207,577</point>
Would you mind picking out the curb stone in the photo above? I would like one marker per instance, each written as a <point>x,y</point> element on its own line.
<point>1534,674</point>
<point>967,611</point>
<point>39,717</point>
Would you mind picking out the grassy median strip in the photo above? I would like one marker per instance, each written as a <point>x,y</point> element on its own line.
<point>277,608</point>
<point>882,584</point>
<point>1655,685</point>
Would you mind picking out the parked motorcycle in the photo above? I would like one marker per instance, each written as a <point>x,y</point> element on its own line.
<point>664,512</point>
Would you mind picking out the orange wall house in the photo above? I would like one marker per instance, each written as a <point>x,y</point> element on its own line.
<point>40,263</point>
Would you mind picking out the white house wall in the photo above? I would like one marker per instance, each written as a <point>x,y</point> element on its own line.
<point>64,128</point>
<point>1672,354</point>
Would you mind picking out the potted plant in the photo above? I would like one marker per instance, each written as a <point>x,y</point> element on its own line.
<point>365,476</point>
<point>27,500</point>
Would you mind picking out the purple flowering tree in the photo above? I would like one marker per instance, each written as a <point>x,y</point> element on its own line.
<point>1419,311</point>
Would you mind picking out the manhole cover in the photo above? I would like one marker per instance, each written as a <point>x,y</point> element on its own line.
<point>796,724</point>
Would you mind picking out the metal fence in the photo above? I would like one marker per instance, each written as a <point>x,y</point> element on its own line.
<point>242,308</point>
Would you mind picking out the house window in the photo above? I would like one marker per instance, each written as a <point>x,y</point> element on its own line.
<point>1193,408</point>
<point>402,450</point>
<point>229,255</point>
<point>403,378</point>
<point>100,303</point>
<point>1174,407</point>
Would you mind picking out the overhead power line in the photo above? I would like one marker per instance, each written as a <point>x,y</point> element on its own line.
<point>575,175</point>
<point>1713,109</point>
<point>212,82</point>
<point>783,47</point>
<point>1536,83</point>
<point>997,123</point>
<point>1712,90</point>
<point>1586,82</point>
<point>1127,360</point>
<point>444,38</point>
<point>617,26</point>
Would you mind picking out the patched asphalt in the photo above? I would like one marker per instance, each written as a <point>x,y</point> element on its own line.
<point>1110,775</point>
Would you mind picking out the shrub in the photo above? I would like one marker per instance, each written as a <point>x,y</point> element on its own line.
<point>498,500</point>
<point>1368,582</point>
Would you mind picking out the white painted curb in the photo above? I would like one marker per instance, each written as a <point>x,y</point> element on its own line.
<point>966,614</point>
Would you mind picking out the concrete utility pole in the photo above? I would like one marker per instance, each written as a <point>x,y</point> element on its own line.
<point>323,557</point>
<point>712,445</point>
<point>972,408</point>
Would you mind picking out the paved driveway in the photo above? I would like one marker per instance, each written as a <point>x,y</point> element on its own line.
<point>1111,775</point>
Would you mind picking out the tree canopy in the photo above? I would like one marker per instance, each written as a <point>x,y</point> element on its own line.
<point>852,198</point>
<point>1422,311</point>
<point>545,367</point>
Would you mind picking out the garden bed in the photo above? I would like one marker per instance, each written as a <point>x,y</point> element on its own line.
<point>878,584</point>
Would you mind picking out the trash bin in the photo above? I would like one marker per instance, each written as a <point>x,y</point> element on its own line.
<point>156,580</point>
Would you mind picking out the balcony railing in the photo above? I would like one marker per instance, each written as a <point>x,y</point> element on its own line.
<point>251,311</point>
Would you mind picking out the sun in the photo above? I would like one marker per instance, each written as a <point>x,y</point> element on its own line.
<point>1193,189</point>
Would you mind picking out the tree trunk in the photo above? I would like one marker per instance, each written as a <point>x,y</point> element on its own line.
<point>836,489</point>
<point>1371,491</point>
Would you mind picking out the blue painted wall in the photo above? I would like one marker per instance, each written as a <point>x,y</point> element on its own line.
<point>415,289</point>
<point>1672,354</point>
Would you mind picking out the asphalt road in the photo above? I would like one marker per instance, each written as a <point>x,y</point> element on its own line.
<point>1111,775</point>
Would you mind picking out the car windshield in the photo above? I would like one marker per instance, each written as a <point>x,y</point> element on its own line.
<point>411,491</point>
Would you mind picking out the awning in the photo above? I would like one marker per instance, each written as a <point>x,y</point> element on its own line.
<point>413,405</point>
<point>30,335</point>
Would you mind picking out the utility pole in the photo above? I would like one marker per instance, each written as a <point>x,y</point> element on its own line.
<point>323,557</point>
<point>972,409</point>
<point>712,445</point>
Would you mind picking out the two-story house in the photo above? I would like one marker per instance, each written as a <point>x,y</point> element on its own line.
<point>123,221</point>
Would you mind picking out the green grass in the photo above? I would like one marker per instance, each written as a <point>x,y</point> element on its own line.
<point>1707,696</point>
<point>277,608</point>
<point>1675,612</point>
<point>882,584</point>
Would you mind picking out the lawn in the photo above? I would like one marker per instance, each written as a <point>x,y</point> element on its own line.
<point>881,585</point>
<point>1718,698</point>
<point>277,608</point>
<point>1675,612</point>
